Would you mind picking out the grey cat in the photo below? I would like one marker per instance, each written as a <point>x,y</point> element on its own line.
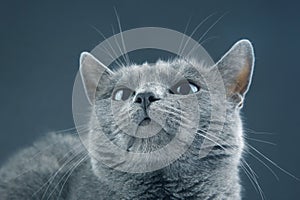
<point>168,98</point>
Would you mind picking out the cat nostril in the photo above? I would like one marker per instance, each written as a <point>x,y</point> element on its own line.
<point>138,100</point>
<point>152,99</point>
<point>145,98</point>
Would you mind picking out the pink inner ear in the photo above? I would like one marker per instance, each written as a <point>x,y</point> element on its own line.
<point>242,79</point>
<point>236,67</point>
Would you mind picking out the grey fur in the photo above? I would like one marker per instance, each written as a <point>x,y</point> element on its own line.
<point>74,174</point>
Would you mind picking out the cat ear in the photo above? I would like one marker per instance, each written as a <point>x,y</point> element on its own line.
<point>91,70</point>
<point>236,68</point>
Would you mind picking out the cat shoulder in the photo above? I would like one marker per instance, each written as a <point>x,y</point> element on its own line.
<point>26,171</point>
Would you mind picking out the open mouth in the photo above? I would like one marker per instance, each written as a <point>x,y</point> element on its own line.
<point>145,121</point>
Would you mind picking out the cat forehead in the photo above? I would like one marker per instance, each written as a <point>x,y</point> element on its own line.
<point>161,71</point>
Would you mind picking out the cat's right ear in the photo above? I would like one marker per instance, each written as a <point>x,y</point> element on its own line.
<point>91,70</point>
<point>236,68</point>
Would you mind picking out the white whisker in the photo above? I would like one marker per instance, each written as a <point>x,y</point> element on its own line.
<point>122,38</point>
<point>117,60</point>
<point>69,174</point>
<point>258,140</point>
<point>205,33</point>
<point>194,31</point>
<point>273,163</point>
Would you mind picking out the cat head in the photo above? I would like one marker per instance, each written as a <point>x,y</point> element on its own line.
<point>141,109</point>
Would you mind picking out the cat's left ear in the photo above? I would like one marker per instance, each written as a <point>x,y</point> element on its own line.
<point>236,68</point>
<point>91,71</point>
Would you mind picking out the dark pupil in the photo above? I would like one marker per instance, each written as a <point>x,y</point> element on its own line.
<point>126,94</point>
<point>184,88</point>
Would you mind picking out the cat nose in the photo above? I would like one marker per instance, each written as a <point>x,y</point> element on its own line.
<point>145,98</point>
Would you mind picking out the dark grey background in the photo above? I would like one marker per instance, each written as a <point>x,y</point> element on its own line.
<point>41,43</point>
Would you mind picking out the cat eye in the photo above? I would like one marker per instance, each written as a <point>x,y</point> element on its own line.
<point>184,88</point>
<point>122,94</point>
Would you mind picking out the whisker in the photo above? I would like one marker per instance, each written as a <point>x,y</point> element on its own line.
<point>122,38</point>
<point>218,138</point>
<point>119,63</point>
<point>254,180</point>
<point>182,115</point>
<point>117,60</point>
<point>185,29</point>
<point>194,31</point>
<point>172,107</point>
<point>205,33</point>
<point>248,130</point>
<point>218,144</point>
<point>249,175</point>
<point>35,156</point>
<point>208,39</point>
<point>119,128</point>
<point>52,177</point>
<point>69,174</point>
<point>118,45</point>
<point>273,163</point>
<point>252,171</point>
<point>269,168</point>
<point>258,140</point>
<point>213,25</point>
<point>67,130</point>
<point>171,111</point>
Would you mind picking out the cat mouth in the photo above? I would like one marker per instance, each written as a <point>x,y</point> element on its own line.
<point>146,121</point>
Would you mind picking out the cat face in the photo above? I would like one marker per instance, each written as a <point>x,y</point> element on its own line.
<point>149,104</point>
<point>145,108</point>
